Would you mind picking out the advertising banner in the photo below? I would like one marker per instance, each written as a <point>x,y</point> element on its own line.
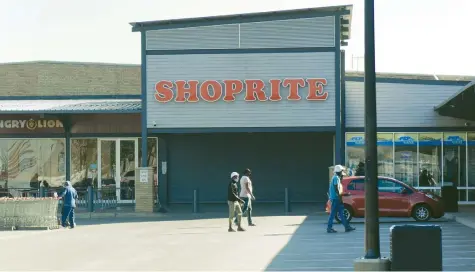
<point>405,139</point>
<point>455,139</point>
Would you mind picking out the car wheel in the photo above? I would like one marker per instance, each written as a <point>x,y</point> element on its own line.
<point>348,214</point>
<point>421,213</point>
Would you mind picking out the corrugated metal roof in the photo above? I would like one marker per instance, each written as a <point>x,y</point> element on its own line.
<point>71,106</point>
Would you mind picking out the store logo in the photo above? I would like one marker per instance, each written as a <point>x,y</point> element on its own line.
<point>357,140</point>
<point>455,140</point>
<point>406,140</point>
<point>30,124</point>
<point>226,90</point>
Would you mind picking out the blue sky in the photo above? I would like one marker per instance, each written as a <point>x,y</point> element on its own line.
<point>412,36</point>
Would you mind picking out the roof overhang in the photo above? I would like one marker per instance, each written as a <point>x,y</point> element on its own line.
<point>76,106</point>
<point>460,105</point>
<point>344,11</point>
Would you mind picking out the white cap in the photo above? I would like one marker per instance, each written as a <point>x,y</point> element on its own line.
<point>234,174</point>
<point>338,168</point>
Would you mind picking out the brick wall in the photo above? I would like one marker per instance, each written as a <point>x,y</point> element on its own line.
<point>58,78</point>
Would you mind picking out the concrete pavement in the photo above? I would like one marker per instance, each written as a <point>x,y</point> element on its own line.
<point>202,244</point>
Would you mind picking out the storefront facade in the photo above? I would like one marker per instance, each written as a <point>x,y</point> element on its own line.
<point>257,91</point>
<point>263,91</point>
<point>412,136</point>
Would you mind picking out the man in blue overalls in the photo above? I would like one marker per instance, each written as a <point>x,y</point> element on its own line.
<point>69,196</point>
<point>334,193</point>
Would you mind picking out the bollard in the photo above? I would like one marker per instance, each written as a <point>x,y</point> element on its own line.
<point>90,199</point>
<point>195,201</point>
<point>287,201</point>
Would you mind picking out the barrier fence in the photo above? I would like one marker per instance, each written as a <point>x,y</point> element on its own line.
<point>29,212</point>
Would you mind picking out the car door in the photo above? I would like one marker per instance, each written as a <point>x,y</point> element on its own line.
<point>356,195</point>
<point>392,201</point>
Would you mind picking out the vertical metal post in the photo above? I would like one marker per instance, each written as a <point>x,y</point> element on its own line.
<point>90,199</point>
<point>287,201</point>
<point>372,245</point>
<point>195,201</point>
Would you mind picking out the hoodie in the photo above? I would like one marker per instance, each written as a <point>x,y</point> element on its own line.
<point>69,195</point>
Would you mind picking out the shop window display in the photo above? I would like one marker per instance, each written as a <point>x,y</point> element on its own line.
<point>84,162</point>
<point>385,155</point>
<point>27,164</point>
<point>405,158</point>
<point>430,158</point>
<point>354,151</point>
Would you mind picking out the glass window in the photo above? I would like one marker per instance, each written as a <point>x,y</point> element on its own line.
<point>471,160</point>
<point>354,151</point>
<point>84,162</point>
<point>405,158</point>
<point>152,145</point>
<point>430,159</point>
<point>385,155</point>
<point>356,185</point>
<point>27,164</point>
<point>389,186</point>
<point>455,160</point>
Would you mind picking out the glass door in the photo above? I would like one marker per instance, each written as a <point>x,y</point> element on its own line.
<point>117,160</point>
<point>128,162</point>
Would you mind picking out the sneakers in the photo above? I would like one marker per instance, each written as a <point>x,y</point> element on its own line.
<point>349,229</point>
<point>238,229</point>
<point>252,225</point>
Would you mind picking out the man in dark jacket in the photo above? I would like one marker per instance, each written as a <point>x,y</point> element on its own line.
<point>69,196</point>
<point>234,203</point>
<point>360,170</point>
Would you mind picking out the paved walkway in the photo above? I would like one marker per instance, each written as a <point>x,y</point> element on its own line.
<point>289,243</point>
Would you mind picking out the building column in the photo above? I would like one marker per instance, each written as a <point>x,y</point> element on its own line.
<point>338,131</point>
<point>343,108</point>
<point>163,171</point>
<point>67,124</point>
<point>143,72</point>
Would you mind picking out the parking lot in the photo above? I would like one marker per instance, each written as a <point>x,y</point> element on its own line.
<point>289,243</point>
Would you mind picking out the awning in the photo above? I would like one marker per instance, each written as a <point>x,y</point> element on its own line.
<point>460,105</point>
<point>70,106</point>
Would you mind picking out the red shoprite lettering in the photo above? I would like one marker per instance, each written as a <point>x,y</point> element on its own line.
<point>227,90</point>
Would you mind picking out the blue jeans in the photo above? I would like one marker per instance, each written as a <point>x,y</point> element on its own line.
<point>337,207</point>
<point>247,209</point>
<point>68,213</point>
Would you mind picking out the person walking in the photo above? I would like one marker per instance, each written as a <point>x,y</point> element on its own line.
<point>69,196</point>
<point>247,195</point>
<point>234,203</point>
<point>334,194</point>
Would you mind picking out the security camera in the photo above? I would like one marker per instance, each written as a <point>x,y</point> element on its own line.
<point>467,124</point>
<point>154,123</point>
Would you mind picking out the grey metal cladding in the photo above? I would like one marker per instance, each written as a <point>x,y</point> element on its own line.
<point>307,32</point>
<point>401,105</point>
<point>240,113</point>
<point>203,37</point>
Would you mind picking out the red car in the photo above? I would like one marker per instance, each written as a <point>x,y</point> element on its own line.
<point>396,199</point>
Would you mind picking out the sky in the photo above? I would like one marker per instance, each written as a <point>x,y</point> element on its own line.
<point>412,36</point>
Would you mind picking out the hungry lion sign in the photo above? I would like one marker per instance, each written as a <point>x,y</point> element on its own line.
<point>227,90</point>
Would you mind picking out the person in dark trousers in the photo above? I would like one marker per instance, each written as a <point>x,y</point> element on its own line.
<point>247,195</point>
<point>69,196</point>
<point>234,203</point>
<point>334,194</point>
<point>360,170</point>
<point>425,179</point>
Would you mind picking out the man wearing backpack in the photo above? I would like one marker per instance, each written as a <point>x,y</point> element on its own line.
<point>69,196</point>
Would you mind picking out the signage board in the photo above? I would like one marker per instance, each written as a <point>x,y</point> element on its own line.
<point>253,89</point>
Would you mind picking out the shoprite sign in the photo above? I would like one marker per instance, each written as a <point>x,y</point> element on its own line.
<point>227,90</point>
<point>30,124</point>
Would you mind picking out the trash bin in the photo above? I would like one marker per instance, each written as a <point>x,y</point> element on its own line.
<point>449,194</point>
<point>416,248</point>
